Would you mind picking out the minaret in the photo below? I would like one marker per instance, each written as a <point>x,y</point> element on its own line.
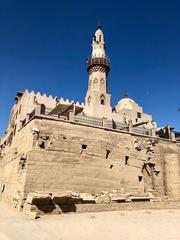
<point>97,101</point>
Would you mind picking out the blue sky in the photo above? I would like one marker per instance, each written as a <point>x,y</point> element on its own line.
<point>44,45</point>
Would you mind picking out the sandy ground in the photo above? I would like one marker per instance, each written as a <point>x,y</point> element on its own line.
<point>124,225</point>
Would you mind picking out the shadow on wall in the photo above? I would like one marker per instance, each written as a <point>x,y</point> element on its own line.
<point>62,208</point>
<point>67,208</point>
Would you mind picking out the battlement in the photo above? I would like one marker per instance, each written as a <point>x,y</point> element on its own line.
<point>43,98</point>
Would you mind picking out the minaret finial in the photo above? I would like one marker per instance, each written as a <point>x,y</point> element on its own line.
<point>99,23</point>
<point>126,94</point>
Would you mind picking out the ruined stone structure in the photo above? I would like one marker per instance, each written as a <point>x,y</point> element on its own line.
<point>58,155</point>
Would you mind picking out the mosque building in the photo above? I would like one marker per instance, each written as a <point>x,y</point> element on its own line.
<point>57,154</point>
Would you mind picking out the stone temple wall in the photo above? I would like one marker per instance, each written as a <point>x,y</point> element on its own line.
<point>13,164</point>
<point>84,159</point>
<point>56,157</point>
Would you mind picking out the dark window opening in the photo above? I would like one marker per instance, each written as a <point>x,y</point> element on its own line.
<point>84,146</point>
<point>23,164</point>
<point>42,145</point>
<point>107,154</point>
<point>111,166</point>
<point>100,38</point>
<point>102,98</point>
<point>89,100</point>
<point>43,109</point>
<point>156,172</point>
<point>139,115</point>
<point>140,178</point>
<point>2,188</point>
<point>126,160</point>
<point>102,101</point>
<point>136,120</point>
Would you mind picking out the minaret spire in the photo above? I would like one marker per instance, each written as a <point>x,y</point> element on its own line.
<point>126,94</point>
<point>99,24</point>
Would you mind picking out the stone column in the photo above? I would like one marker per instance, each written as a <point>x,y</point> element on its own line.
<point>27,117</point>
<point>153,177</point>
<point>130,128</point>
<point>20,124</point>
<point>172,178</point>
<point>173,138</point>
<point>38,109</point>
<point>153,132</point>
<point>71,116</point>
<point>104,122</point>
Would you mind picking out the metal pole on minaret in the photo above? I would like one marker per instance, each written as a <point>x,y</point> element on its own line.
<point>99,23</point>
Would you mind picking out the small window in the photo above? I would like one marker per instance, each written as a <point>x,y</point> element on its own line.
<point>139,115</point>
<point>100,38</point>
<point>111,166</point>
<point>84,146</point>
<point>43,109</point>
<point>102,98</point>
<point>126,160</point>
<point>95,83</point>
<point>102,80</point>
<point>42,144</point>
<point>107,154</point>
<point>89,100</point>
<point>140,178</point>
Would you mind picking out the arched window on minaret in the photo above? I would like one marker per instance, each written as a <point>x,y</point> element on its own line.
<point>95,83</point>
<point>102,99</point>
<point>89,100</point>
<point>102,81</point>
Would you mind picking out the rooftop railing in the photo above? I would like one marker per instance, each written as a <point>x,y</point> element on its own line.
<point>91,121</point>
<point>142,131</point>
<point>88,120</point>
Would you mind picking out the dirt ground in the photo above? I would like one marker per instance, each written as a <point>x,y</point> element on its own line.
<point>124,225</point>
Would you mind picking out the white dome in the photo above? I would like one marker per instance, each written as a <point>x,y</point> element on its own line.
<point>126,103</point>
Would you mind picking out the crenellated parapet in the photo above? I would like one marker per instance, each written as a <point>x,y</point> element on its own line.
<point>48,100</point>
<point>25,104</point>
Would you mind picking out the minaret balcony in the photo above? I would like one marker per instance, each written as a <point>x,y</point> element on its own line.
<point>98,61</point>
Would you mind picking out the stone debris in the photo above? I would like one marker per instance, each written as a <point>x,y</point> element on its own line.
<point>88,198</point>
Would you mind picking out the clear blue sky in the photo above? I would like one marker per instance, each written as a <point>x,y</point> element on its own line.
<point>44,45</point>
